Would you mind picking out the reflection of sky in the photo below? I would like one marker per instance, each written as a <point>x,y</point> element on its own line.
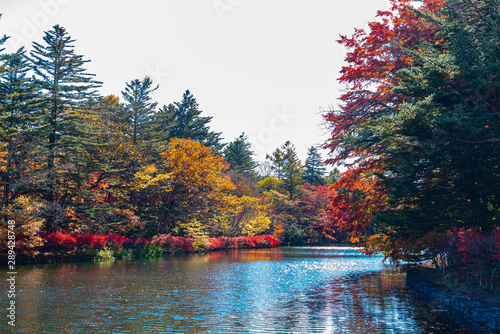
<point>287,290</point>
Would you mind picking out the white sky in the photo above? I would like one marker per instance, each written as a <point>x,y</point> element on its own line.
<point>263,67</point>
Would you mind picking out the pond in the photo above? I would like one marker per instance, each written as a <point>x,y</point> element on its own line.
<point>280,290</point>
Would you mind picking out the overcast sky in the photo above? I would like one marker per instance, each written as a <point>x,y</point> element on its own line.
<point>263,67</point>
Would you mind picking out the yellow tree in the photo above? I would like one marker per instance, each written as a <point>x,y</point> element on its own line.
<point>188,185</point>
<point>247,217</point>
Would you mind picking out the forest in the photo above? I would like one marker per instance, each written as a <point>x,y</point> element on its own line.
<point>77,167</point>
<point>416,130</point>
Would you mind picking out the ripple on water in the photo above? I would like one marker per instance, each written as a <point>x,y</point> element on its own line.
<point>281,290</point>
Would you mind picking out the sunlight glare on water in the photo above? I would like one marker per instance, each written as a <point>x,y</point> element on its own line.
<point>280,290</point>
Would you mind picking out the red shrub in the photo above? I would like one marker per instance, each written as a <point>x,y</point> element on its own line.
<point>59,240</point>
<point>260,241</point>
<point>68,242</point>
<point>229,242</point>
<point>172,244</point>
<point>475,257</point>
<point>85,240</point>
<point>249,242</point>
<point>473,246</point>
<point>272,241</point>
<point>139,242</point>
<point>116,240</point>
<point>215,243</point>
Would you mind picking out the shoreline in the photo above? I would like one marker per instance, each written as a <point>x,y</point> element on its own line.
<point>465,305</point>
<point>62,248</point>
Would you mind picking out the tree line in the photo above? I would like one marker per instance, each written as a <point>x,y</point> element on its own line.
<point>417,130</point>
<point>73,161</point>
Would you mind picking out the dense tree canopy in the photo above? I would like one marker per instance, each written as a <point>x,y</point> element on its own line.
<point>416,136</point>
<point>20,120</point>
<point>423,108</point>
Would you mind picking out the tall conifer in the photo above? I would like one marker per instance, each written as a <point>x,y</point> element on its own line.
<point>287,168</point>
<point>239,155</point>
<point>314,170</point>
<point>19,119</point>
<point>190,124</point>
<point>140,106</point>
<point>65,86</point>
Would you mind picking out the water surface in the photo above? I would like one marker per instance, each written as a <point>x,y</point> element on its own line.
<point>281,290</point>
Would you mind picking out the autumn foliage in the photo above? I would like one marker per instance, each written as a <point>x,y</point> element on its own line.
<point>374,58</point>
<point>87,245</point>
<point>354,200</point>
<point>474,256</point>
<point>417,129</point>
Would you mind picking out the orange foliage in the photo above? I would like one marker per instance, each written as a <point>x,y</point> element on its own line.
<point>195,170</point>
<point>197,185</point>
<point>354,200</point>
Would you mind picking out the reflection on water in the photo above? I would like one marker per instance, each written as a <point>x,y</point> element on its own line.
<point>281,290</point>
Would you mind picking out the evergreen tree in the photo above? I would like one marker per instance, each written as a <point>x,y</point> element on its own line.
<point>424,119</point>
<point>189,123</point>
<point>288,169</point>
<point>333,176</point>
<point>115,112</point>
<point>239,155</point>
<point>2,41</point>
<point>65,86</point>
<point>140,106</point>
<point>105,146</point>
<point>314,170</point>
<point>140,109</point>
<point>19,119</point>
<point>161,127</point>
<point>277,163</point>
<point>443,153</point>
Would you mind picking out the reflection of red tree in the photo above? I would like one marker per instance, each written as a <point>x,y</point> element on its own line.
<point>215,255</point>
<point>392,280</point>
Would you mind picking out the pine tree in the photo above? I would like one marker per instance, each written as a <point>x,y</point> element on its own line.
<point>19,119</point>
<point>140,106</point>
<point>105,161</point>
<point>314,170</point>
<point>444,154</point>
<point>277,163</point>
<point>288,169</point>
<point>115,112</point>
<point>65,86</point>
<point>239,155</point>
<point>189,123</point>
<point>161,127</point>
<point>292,170</point>
<point>333,176</point>
<point>424,119</point>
